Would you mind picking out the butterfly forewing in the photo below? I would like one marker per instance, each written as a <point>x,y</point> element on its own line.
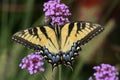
<point>43,36</point>
<point>78,31</point>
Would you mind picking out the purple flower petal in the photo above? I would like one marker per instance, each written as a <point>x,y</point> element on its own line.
<point>33,62</point>
<point>105,72</point>
<point>56,11</point>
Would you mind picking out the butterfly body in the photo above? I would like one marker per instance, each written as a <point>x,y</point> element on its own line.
<point>58,44</point>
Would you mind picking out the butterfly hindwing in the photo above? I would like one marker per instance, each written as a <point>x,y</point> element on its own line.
<point>36,37</point>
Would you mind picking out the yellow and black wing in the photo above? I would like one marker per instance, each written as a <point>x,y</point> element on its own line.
<point>58,44</point>
<point>81,32</point>
<point>38,37</point>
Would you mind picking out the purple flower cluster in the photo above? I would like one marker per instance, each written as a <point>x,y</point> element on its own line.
<point>56,12</point>
<point>33,63</point>
<point>105,72</point>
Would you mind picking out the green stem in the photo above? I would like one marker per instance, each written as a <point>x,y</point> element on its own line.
<point>60,72</point>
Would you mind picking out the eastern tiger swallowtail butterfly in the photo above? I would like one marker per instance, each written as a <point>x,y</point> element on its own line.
<point>58,44</point>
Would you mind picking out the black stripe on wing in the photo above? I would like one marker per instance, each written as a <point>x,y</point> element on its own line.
<point>70,27</point>
<point>34,31</point>
<point>92,34</point>
<point>43,30</point>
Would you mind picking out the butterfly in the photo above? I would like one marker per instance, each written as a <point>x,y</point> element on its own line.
<point>58,44</point>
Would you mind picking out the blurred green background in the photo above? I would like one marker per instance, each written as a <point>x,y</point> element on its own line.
<point>16,15</point>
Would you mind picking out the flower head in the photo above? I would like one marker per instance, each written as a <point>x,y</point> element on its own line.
<point>33,63</point>
<point>56,12</point>
<point>105,72</point>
